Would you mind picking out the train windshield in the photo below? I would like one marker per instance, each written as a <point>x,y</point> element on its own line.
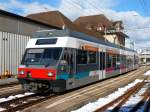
<point>44,56</point>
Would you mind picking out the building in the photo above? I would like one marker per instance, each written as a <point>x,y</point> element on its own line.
<point>111,31</point>
<point>144,55</point>
<point>15,31</point>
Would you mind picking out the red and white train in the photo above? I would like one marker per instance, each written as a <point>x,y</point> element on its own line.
<point>60,60</point>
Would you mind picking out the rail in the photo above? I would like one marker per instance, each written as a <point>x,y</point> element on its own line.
<point>23,102</point>
<point>121,100</point>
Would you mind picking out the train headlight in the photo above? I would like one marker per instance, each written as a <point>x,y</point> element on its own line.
<point>50,74</point>
<point>21,72</point>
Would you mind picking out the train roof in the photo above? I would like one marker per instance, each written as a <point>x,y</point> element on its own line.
<point>75,34</point>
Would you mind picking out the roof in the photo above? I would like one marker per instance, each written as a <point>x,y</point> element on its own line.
<point>57,19</point>
<point>94,20</point>
<point>25,19</point>
<point>54,18</point>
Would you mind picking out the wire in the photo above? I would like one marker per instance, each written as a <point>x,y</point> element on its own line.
<point>143,4</point>
<point>77,4</point>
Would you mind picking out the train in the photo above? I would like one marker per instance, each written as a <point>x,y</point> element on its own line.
<point>61,60</point>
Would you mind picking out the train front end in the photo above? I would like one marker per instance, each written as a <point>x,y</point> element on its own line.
<point>38,69</point>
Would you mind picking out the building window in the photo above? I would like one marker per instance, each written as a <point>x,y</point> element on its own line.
<point>81,57</point>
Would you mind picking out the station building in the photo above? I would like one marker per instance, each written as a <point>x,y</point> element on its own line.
<point>15,32</point>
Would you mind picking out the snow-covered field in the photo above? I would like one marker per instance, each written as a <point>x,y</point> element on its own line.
<point>92,106</point>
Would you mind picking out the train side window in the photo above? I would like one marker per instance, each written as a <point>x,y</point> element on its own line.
<point>92,57</point>
<point>109,60</point>
<point>101,61</point>
<point>103,55</point>
<point>118,61</point>
<point>81,57</point>
<point>114,60</point>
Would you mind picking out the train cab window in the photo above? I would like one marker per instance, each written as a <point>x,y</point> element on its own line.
<point>42,56</point>
<point>81,57</point>
<point>92,57</point>
<point>52,54</point>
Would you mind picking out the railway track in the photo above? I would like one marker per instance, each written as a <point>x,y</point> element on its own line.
<point>8,85</point>
<point>12,90</point>
<point>27,101</point>
<point>144,102</point>
<point>75,99</point>
<point>24,102</point>
<point>20,103</point>
<point>117,104</point>
<point>12,93</point>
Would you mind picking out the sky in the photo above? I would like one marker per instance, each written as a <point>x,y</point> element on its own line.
<point>135,14</point>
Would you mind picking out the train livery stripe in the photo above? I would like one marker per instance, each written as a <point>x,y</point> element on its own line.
<point>79,75</point>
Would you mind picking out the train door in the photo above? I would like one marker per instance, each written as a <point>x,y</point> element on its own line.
<point>72,63</point>
<point>102,64</point>
<point>67,66</point>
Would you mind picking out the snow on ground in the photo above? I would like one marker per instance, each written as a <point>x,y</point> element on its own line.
<point>147,73</point>
<point>90,107</point>
<point>133,100</point>
<point>14,97</point>
<point>2,109</point>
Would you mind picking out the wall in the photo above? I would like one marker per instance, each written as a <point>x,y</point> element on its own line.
<point>113,38</point>
<point>19,26</point>
<point>12,47</point>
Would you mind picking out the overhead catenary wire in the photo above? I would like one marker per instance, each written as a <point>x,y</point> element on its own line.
<point>143,4</point>
<point>79,5</point>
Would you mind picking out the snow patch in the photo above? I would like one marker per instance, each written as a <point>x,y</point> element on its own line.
<point>2,109</point>
<point>92,106</point>
<point>14,97</point>
<point>133,100</point>
<point>147,73</point>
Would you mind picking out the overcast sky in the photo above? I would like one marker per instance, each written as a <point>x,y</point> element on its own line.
<point>134,13</point>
